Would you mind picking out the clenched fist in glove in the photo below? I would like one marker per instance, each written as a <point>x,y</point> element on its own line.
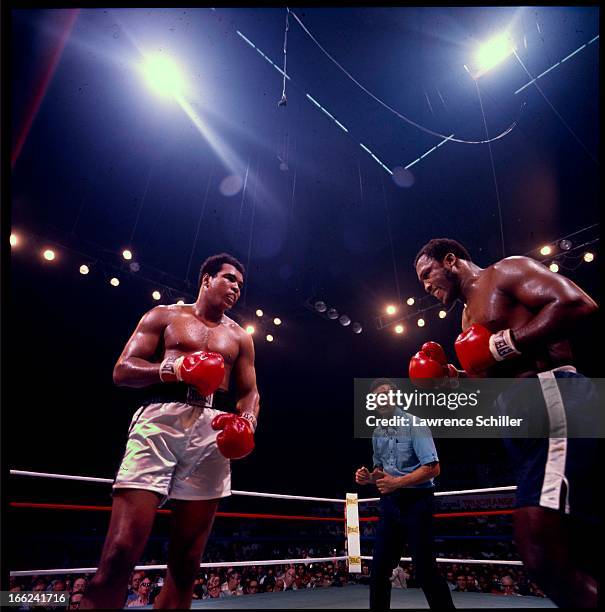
<point>478,349</point>
<point>236,440</point>
<point>429,367</point>
<point>202,369</point>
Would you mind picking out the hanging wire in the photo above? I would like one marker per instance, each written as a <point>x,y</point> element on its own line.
<point>491,157</point>
<point>535,82</point>
<point>241,204</point>
<point>256,182</point>
<point>391,109</point>
<point>284,99</point>
<point>85,197</point>
<point>388,220</point>
<point>199,221</point>
<point>136,222</point>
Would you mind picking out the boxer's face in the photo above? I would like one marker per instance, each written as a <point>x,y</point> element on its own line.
<point>439,278</point>
<point>223,290</point>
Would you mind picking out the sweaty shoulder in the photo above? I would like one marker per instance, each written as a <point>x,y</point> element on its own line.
<point>514,267</point>
<point>234,327</point>
<point>164,314</point>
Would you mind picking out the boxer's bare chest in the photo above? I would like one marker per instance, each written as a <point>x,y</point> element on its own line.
<point>491,307</point>
<point>187,333</point>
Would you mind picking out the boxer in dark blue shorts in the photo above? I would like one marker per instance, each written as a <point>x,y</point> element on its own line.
<point>517,319</point>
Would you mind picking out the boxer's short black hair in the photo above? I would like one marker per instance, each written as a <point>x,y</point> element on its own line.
<point>438,248</point>
<point>214,263</point>
<point>379,382</point>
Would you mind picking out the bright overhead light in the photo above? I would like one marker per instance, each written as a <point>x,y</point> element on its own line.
<point>127,254</point>
<point>259,313</point>
<point>114,282</point>
<point>553,267</point>
<point>399,329</point>
<point>546,250</point>
<point>14,240</point>
<point>390,309</point>
<point>164,76</point>
<point>180,302</point>
<point>442,314</point>
<point>84,269</point>
<point>492,53</point>
<point>156,295</point>
<point>588,257</point>
<point>277,321</point>
<point>48,254</point>
<point>420,322</point>
<point>250,329</point>
<point>410,301</point>
<point>269,338</point>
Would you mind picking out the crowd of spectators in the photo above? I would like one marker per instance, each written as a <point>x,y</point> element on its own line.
<point>235,582</point>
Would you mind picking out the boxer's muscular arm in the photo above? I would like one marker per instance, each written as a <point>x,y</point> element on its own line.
<point>133,368</point>
<point>245,378</point>
<point>558,302</point>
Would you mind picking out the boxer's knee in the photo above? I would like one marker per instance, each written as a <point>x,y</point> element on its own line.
<point>183,568</point>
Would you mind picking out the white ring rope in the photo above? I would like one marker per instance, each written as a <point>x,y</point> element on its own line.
<point>258,494</point>
<point>234,492</point>
<point>475,561</point>
<point>91,570</point>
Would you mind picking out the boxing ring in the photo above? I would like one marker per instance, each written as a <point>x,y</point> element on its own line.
<point>353,596</point>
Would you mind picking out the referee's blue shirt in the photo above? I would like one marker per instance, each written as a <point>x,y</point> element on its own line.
<point>403,449</point>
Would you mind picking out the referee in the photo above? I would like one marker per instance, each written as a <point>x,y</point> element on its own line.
<point>405,464</point>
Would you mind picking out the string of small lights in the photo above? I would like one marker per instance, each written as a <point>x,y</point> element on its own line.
<point>115,269</point>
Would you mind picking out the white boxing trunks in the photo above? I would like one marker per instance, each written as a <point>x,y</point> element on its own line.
<point>172,450</point>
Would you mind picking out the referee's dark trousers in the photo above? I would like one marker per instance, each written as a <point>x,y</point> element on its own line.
<point>406,515</point>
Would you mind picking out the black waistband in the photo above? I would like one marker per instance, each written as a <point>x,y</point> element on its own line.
<point>179,392</point>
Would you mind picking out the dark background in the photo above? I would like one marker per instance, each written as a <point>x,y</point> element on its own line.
<point>106,164</point>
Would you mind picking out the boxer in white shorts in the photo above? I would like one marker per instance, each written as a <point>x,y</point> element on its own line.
<point>185,355</point>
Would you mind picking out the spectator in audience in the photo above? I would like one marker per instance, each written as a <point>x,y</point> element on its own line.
<point>143,595</point>
<point>508,586</point>
<point>133,589</point>
<point>57,585</point>
<point>79,585</point>
<point>471,583</point>
<point>74,600</point>
<point>279,582</point>
<point>483,583</point>
<point>231,587</point>
<point>290,579</point>
<point>449,578</point>
<point>460,583</point>
<point>251,587</point>
<point>364,577</point>
<point>199,587</point>
<point>213,587</point>
<point>399,578</point>
<point>269,573</point>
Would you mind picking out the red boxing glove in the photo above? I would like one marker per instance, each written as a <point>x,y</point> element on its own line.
<point>236,440</point>
<point>203,370</point>
<point>429,367</point>
<point>478,349</point>
<point>435,351</point>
